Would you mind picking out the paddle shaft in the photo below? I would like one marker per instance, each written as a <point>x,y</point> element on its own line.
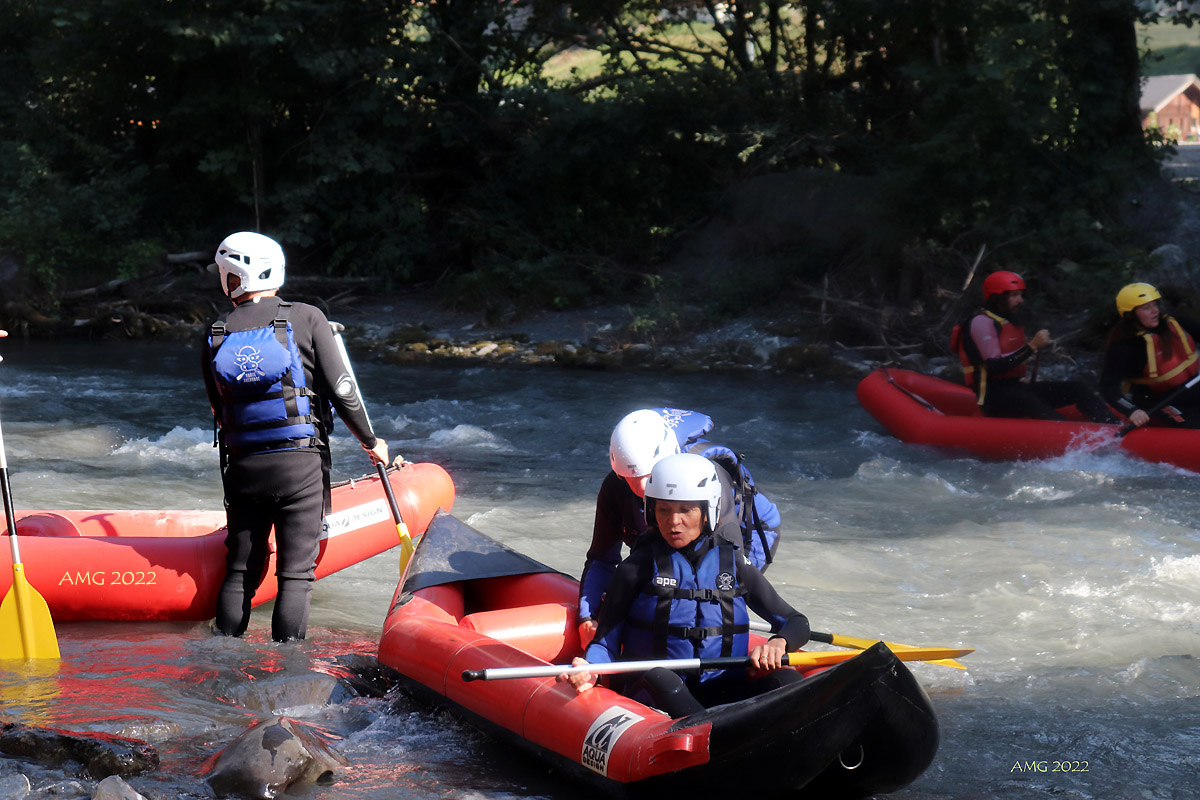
<point>928,405</point>
<point>10,515</point>
<point>828,638</point>
<point>800,659</point>
<point>1161,404</point>
<point>838,640</point>
<point>406,545</point>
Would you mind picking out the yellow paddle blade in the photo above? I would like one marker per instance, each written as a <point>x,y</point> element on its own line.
<point>862,644</point>
<point>827,657</point>
<point>26,629</point>
<point>406,547</point>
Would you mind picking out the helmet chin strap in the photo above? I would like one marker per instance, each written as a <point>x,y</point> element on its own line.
<point>254,297</point>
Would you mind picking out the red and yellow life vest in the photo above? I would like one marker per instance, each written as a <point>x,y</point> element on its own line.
<point>1010,335</point>
<point>1162,374</point>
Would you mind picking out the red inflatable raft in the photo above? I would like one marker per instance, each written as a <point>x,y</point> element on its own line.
<point>469,603</point>
<point>168,565</point>
<point>922,409</point>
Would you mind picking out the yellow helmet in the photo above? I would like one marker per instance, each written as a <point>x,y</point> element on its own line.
<point>1134,295</point>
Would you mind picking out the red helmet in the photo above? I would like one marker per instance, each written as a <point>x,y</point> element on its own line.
<point>1001,282</point>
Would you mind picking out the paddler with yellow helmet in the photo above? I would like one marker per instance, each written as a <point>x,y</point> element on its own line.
<point>1147,356</point>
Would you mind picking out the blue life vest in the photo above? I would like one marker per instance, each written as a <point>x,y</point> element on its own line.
<point>265,402</point>
<point>688,426</point>
<point>689,613</point>
<point>758,538</point>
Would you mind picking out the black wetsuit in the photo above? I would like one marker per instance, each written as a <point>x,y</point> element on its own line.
<point>1016,398</point>
<point>285,488</point>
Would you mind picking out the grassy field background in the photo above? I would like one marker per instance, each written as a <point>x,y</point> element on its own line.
<point>1174,49</point>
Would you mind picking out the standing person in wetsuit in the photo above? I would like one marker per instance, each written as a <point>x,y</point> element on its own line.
<point>274,374</point>
<point>684,592</point>
<point>639,441</point>
<point>994,353</point>
<point>1147,355</point>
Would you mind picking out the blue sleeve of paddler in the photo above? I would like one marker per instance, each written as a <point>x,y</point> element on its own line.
<point>634,573</point>
<point>606,646</point>
<point>604,553</point>
<point>768,512</point>
<point>596,576</point>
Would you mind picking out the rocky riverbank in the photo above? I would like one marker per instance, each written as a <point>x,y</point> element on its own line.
<point>407,331</point>
<point>413,327</point>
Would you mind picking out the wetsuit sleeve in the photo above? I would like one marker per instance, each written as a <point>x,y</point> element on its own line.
<point>332,377</point>
<point>633,573</point>
<point>1124,360</point>
<point>983,334</point>
<point>210,383</point>
<point>766,602</point>
<point>604,553</point>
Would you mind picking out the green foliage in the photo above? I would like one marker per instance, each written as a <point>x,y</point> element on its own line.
<point>71,233</point>
<point>454,141</point>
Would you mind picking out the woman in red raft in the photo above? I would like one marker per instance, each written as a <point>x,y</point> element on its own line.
<point>1148,355</point>
<point>684,593</point>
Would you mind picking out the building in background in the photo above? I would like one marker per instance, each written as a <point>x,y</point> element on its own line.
<point>1171,103</point>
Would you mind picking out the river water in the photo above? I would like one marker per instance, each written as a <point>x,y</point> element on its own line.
<point>1077,580</point>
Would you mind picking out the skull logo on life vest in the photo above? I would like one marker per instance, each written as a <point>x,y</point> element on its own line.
<point>249,363</point>
<point>725,582</point>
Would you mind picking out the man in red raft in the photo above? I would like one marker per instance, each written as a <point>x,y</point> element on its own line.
<point>995,353</point>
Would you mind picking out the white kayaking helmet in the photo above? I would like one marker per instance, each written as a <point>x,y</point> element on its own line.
<point>638,442</point>
<point>687,478</point>
<point>255,259</point>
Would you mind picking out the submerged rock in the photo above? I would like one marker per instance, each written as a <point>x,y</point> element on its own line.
<point>271,757</point>
<point>114,788</point>
<point>348,677</point>
<point>101,754</point>
<point>363,675</point>
<point>289,691</point>
<point>15,787</point>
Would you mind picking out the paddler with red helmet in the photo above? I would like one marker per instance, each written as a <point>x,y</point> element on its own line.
<point>995,354</point>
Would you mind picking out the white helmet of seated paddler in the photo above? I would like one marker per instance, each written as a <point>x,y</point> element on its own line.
<point>687,478</point>
<point>256,260</point>
<point>640,440</point>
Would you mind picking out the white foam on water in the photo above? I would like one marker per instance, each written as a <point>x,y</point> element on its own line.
<point>468,436</point>
<point>179,445</point>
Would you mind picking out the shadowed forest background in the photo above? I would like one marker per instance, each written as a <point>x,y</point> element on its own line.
<point>870,159</point>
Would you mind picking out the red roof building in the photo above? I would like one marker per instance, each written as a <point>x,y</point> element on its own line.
<point>1171,103</point>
